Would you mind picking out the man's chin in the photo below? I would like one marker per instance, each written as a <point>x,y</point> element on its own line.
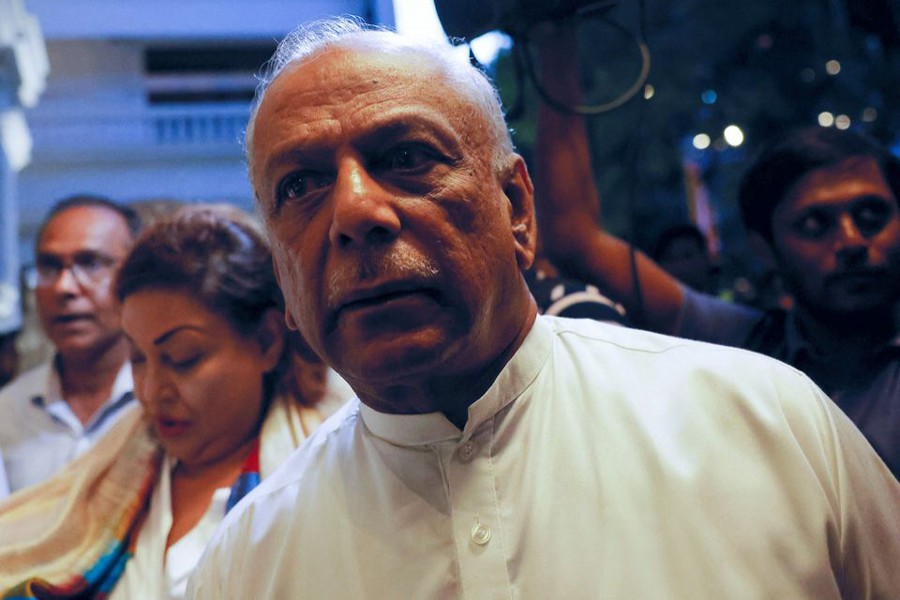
<point>388,366</point>
<point>848,313</point>
<point>77,346</point>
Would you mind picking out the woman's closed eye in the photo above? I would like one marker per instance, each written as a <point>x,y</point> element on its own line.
<point>182,363</point>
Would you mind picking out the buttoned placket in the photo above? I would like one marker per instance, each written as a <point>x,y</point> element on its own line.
<point>472,489</point>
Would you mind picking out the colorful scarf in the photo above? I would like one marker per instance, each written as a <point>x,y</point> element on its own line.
<point>72,536</point>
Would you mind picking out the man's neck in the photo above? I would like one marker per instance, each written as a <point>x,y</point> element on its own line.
<point>851,336</point>
<point>87,379</point>
<point>449,394</point>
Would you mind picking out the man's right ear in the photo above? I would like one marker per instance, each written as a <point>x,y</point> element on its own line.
<point>288,318</point>
<point>519,192</point>
<point>763,249</point>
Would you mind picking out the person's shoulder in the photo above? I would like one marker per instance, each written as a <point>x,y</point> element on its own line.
<point>623,338</point>
<point>654,369</point>
<point>26,385</point>
<point>279,506</point>
<point>711,319</point>
<point>670,354</point>
<point>316,458</point>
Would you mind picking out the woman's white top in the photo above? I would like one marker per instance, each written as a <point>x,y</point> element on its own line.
<point>153,573</point>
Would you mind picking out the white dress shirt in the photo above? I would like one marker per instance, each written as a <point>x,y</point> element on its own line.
<point>604,462</point>
<point>39,432</point>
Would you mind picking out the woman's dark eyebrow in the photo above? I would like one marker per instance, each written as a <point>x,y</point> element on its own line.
<point>169,334</point>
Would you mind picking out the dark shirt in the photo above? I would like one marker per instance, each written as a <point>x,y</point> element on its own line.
<point>570,298</point>
<point>871,399</point>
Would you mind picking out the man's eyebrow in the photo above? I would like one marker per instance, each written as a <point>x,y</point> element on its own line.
<point>45,256</point>
<point>412,123</point>
<point>286,157</point>
<point>874,197</point>
<point>394,126</point>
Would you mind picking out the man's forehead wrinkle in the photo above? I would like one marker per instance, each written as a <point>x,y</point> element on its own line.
<point>368,94</point>
<point>388,107</point>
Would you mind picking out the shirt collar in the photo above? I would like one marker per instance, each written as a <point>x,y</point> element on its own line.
<point>432,428</point>
<point>796,345</point>
<point>794,341</point>
<point>122,392</point>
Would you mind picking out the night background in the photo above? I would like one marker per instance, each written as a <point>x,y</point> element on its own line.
<point>763,66</point>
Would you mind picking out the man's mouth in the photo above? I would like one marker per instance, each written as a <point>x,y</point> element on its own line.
<point>71,318</point>
<point>858,275</point>
<point>860,281</point>
<point>381,299</point>
<point>383,294</point>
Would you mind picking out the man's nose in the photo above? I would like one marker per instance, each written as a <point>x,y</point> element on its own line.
<point>364,210</point>
<point>66,282</point>
<point>851,245</point>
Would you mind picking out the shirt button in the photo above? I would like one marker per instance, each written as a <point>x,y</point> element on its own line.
<point>481,533</point>
<point>468,451</point>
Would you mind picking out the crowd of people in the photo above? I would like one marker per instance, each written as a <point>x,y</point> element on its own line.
<point>537,409</point>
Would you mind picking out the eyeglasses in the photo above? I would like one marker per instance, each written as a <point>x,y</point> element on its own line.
<point>87,268</point>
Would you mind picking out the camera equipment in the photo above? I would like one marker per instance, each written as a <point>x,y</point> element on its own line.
<point>468,19</point>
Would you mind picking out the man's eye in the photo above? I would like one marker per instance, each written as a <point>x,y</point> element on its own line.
<point>49,268</point>
<point>299,184</point>
<point>90,263</point>
<point>406,157</point>
<point>871,217</point>
<point>813,225</point>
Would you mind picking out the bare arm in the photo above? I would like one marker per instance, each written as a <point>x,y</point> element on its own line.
<point>568,204</point>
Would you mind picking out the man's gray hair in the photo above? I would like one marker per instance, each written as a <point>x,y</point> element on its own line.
<point>317,36</point>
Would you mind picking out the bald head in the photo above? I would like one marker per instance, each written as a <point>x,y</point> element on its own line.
<point>452,66</point>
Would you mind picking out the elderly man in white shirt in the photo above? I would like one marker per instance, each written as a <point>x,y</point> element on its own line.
<point>493,452</point>
<point>56,411</point>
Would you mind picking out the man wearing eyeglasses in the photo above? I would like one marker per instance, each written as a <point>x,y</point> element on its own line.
<point>54,412</point>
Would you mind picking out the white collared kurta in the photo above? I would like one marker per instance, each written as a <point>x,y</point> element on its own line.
<point>604,462</point>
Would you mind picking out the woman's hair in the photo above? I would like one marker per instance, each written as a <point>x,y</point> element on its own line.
<point>218,254</point>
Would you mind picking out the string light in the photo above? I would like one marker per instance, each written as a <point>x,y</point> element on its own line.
<point>733,135</point>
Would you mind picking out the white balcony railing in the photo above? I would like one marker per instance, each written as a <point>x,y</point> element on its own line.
<point>82,133</point>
